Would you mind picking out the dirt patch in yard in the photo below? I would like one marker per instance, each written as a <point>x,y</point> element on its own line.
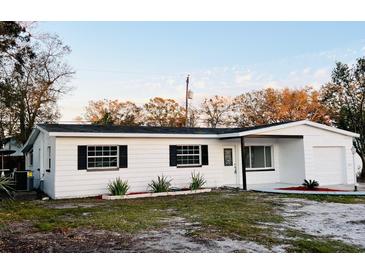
<point>177,237</point>
<point>344,222</point>
<point>22,237</point>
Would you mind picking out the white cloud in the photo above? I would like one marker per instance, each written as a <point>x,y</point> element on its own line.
<point>321,73</point>
<point>242,79</point>
<point>306,70</point>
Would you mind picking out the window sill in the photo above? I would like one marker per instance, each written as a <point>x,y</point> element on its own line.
<point>262,169</point>
<point>189,166</point>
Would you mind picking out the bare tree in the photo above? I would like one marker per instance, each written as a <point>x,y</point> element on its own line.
<point>34,85</point>
<point>217,111</point>
<point>193,117</point>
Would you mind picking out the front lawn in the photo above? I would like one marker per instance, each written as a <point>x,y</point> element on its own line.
<point>212,222</point>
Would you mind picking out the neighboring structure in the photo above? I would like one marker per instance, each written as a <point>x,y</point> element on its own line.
<point>80,160</point>
<point>14,160</point>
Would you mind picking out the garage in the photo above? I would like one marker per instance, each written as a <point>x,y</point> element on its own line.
<point>329,165</point>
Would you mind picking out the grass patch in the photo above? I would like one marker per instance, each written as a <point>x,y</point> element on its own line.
<point>328,198</point>
<point>220,214</point>
<point>104,215</point>
<point>304,243</point>
<point>238,215</point>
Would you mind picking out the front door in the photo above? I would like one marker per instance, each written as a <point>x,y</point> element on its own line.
<point>229,166</point>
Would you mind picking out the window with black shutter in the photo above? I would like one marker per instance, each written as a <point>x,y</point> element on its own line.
<point>205,156</point>
<point>81,157</point>
<point>102,157</point>
<point>188,155</point>
<point>123,156</point>
<point>172,155</point>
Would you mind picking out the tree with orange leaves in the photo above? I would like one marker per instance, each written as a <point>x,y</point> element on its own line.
<point>164,113</point>
<point>273,105</point>
<point>113,112</point>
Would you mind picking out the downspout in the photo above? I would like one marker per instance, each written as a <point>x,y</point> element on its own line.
<point>243,164</point>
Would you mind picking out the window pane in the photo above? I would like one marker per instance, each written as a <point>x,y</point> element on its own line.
<point>187,155</point>
<point>257,157</point>
<point>113,161</point>
<point>91,151</point>
<point>247,157</point>
<point>268,156</point>
<point>99,162</point>
<point>228,157</point>
<point>99,151</point>
<point>106,151</point>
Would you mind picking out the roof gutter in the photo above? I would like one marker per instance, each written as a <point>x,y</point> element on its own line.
<point>132,135</point>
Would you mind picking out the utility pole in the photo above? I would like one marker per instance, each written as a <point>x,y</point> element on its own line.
<point>187,100</point>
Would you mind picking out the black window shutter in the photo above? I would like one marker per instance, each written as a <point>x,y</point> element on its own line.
<point>123,156</point>
<point>172,155</point>
<point>205,157</point>
<point>81,157</point>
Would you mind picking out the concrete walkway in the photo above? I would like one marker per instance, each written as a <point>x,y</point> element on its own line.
<point>273,188</point>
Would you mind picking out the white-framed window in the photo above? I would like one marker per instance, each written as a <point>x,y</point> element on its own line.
<point>49,151</point>
<point>100,157</point>
<point>188,155</point>
<point>258,157</point>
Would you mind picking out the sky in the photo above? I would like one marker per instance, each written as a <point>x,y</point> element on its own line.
<point>140,60</point>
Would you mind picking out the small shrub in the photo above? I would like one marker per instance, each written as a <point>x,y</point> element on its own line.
<point>162,184</point>
<point>5,186</point>
<point>118,187</point>
<point>310,184</point>
<point>197,181</point>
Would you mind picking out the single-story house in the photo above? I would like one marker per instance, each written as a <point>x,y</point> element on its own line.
<point>73,160</point>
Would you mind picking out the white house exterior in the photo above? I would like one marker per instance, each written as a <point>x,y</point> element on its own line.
<point>80,160</point>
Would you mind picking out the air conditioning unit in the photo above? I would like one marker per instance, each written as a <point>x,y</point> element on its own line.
<point>24,180</point>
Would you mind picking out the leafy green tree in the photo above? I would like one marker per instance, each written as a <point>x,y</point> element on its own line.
<point>345,98</point>
<point>14,50</point>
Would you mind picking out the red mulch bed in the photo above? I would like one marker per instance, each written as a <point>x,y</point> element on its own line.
<point>302,188</point>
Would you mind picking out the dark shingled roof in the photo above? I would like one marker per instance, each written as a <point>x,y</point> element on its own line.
<point>87,128</point>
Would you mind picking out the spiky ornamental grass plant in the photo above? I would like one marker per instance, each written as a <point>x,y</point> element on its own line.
<point>162,184</point>
<point>310,184</point>
<point>197,181</point>
<point>6,186</point>
<point>118,187</point>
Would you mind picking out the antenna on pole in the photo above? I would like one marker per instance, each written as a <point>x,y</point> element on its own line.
<point>187,100</point>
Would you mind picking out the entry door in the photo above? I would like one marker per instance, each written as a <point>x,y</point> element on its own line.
<point>229,165</point>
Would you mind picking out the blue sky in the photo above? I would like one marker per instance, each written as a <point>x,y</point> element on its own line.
<point>140,60</point>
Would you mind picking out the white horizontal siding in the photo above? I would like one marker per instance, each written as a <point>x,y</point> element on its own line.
<point>314,137</point>
<point>147,158</point>
<point>40,164</point>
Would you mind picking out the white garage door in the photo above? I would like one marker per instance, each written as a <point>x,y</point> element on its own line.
<point>329,165</point>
